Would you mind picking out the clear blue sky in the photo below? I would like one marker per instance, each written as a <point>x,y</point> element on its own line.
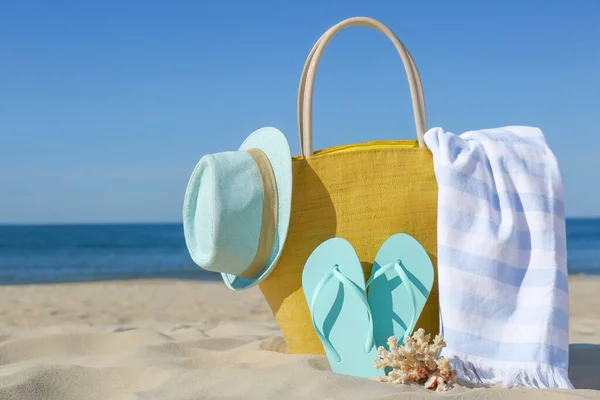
<point>106,106</point>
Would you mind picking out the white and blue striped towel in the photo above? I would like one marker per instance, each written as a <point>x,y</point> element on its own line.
<point>502,267</point>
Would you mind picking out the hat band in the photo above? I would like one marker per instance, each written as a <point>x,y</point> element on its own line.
<point>269,215</point>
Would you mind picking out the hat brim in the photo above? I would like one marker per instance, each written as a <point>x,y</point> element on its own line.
<point>277,149</point>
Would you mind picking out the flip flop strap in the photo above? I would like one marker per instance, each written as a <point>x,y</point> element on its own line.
<point>335,272</point>
<point>399,267</point>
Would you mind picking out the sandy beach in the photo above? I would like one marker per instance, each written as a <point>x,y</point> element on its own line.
<point>169,339</point>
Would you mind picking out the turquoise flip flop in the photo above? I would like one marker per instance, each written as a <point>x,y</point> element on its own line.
<point>399,286</point>
<point>334,287</point>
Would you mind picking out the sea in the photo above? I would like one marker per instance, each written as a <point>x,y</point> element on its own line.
<point>79,253</point>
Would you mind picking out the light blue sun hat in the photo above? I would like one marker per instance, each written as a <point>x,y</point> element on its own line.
<point>236,209</point>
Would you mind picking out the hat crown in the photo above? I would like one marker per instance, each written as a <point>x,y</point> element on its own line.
<point>227,212</point>
<point>236,209</point>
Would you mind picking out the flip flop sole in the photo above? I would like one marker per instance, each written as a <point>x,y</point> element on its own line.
<point>389,301</point>
<point>338,311</point>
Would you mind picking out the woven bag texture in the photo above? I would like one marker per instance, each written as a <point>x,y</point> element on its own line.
<point>364,195</point>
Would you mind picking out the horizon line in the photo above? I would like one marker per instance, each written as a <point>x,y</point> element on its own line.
<point>46,224</point>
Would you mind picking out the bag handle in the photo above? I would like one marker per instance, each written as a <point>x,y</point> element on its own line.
<point>307,80</point>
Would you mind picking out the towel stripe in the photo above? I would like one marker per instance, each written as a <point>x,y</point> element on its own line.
<point>462,153</point>
<point>502,272</point>
<point>457,282</point>
<point>507,173</point>
<point>508,367</point>
<point>502,351</point>
<point>522,240</point>
<point>499,200</point>
<point>492,247</point>
<point>517,313</point>
<point>492,328</point>
<point>531,221</point>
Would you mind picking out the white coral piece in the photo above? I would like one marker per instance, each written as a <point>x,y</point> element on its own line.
<point>416,361</point>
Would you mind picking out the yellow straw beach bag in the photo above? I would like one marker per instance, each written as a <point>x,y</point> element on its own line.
<point>360,192</point>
